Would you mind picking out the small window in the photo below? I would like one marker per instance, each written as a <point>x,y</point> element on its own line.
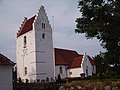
<point>25,41</point>
<point>70,73</point>
<point>25,70</point>
<point>61,70</point>
<point>43,36</point>
<point>87,72</point>
<point>43,25</point>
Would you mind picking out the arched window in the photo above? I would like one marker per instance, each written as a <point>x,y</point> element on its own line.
<point>25,41</point>
<point>87,72</point>
<point>61,70</point>
<point>43,36</point>
<point>43,25</point>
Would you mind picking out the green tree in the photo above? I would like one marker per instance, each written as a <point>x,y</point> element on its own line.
<point>100,64</point>
<point>101,19</point>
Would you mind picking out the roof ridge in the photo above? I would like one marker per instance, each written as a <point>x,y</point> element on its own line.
<point>78,57</point>
<point>5,61</point>
<point>66,49</point>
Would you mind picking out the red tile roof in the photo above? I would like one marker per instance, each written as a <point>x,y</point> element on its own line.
<point>63,56</point>
<point>76,62</point>
<point>69,57</point>
<point>59,60</point>
<point>4,61</point>
<point>26,27</point>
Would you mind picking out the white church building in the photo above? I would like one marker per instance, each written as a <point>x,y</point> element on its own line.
<point>37,59</point>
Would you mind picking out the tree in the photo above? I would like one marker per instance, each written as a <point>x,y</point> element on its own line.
<point>101,19</point>
<point>100,64</point>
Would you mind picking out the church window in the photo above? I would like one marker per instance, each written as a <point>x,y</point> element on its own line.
<point>43,25</point>
<point>25,70</point>
<point>87,72</point>
<point>70,73</point>
<point>61,70</point>
<point>25,41</point>
<point>43,36</point>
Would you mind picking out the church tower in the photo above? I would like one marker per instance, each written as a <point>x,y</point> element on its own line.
<point>34,48</point>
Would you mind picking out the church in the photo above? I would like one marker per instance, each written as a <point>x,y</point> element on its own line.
<point>36,57</point>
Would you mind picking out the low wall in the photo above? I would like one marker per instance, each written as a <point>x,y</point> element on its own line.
<point>93,85</point>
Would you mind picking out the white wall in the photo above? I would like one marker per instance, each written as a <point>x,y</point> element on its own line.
<point>87,66</point>
<point>94,69</point>
<point>75,72</point>
<point>57,71</point>
<point>25,57</point>
<point>44,47</point>
<point>6,78</point>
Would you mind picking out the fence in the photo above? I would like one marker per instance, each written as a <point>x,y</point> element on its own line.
<point>38,86</point>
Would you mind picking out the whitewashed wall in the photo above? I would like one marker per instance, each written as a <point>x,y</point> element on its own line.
<point>57,71</point>
<point>6,78</point>
<point>45,63</point>
<point>25,57</point>
<point>75,72</point>
<point>94,69</point>
<point>87,66</point>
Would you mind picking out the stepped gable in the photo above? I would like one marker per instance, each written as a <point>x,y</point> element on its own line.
<point>4,61</point>
<point>26,26</point>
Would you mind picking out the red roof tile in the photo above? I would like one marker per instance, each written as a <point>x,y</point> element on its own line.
<point>59,60</point>
<point>76,62</point>
<point>27,26</point>
<point>63,56</point>
<point>5,61</point>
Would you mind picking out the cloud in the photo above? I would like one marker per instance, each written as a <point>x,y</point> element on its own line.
<point>77,42</point>
<point>64,11</point>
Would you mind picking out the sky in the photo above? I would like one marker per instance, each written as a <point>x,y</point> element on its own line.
<point>61,14</point>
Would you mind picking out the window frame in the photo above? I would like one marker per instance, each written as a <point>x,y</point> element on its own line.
<point>25,41</point>
<point>43,25</point>
<point>61,70</point>
<point>43,36</point>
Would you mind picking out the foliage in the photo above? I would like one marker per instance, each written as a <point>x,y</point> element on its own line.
<point>100,64</point>
<point>101,19</point>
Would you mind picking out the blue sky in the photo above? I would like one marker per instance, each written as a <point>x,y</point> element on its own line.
<point>12,13</point>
